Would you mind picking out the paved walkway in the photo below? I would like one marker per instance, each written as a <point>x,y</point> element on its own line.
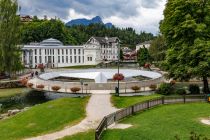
<point>98,106</point>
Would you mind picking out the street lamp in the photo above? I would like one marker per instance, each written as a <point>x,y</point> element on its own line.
<point>81,82</point>
<point>118,69</point>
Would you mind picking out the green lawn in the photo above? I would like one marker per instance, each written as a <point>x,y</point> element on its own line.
<point>12,92</point>
<point>47,117</point>
<point>90,135</point>
<point>122,102</point>
<point>164,123</point>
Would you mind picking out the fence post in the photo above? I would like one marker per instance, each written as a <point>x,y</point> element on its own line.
<point>132,110</point>
<point>96,135</point>
<point>106,122</point>
<point>148,104</point>
<point>184,99</point>
<point>163,100</point>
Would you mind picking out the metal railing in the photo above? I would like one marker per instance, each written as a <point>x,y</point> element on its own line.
<point>131,110</point>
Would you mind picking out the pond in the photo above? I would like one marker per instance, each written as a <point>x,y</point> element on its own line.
<point>26,99</point>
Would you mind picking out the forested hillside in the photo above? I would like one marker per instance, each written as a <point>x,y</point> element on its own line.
<point>39,30</point>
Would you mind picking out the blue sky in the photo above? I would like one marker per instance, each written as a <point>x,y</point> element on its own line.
<point>143,15</point>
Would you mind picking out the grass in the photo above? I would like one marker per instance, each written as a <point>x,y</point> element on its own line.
<point>44,118</point>
<point>90,135</point>
<point>81,67</point>
<point>122,102</point>
<point>11,92</point>
<point>164,123</point>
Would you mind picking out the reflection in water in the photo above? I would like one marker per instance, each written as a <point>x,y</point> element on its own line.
<point>27,99</point>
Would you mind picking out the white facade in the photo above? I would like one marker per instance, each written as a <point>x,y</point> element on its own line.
<point>146,44</point>
<point>52,53</point>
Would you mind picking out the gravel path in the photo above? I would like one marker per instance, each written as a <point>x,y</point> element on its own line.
<point>98,106</point>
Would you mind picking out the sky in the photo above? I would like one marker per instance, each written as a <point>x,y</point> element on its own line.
<point>142,15</point>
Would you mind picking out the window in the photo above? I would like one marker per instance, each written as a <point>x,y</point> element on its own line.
<point>45,59</point>
<point>53,52</point>
<point>66,51</point>
<point>40,59</point>
<point>67,59</point>
<point>45,51</point>
<point>58,52</point>
<point>62,52</point>
<point>53,59</point>
<point>75,51</point>
<point>35,59</point>
<point>75,59</point>
<point>70,59</point>
<point>79,59</point>
<point>79,51</point>
<point>35,52</point>
<point>62,59</point>
<point>40,52</point>
<point>70,52</point>
<point>59,59</point>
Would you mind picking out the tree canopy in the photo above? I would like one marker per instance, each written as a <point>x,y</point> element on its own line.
<point>143,56</point>
<point>38,30</point>
<point>9,37</point>
<point>186,28</point>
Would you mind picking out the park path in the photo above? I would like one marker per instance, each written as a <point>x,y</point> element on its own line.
<point>98,106</point>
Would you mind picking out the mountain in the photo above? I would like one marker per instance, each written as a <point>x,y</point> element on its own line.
<point>86,22</point>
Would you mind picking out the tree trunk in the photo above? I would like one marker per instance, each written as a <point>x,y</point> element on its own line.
<point>206,85</point>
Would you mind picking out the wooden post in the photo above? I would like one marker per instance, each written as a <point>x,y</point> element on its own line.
<point>184,99</point>
<point>133,110</point>
<point>148,104</point>
<point>163,100</point>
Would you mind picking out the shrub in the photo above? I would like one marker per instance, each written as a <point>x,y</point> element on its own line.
<point>119,77</point>
<point>40,86</point>
<point>55,88</point>
<point>136,88</point>
<point>173,82</point>
<point>165,89</point>
<point>75,89</point>
<point>194,89</point>
<point>30,85</point>
<point>24,81</point>
<point>181,91</point>
<point>153,87</point>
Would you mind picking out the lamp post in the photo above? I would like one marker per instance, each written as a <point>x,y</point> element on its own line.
<point>118,69</point>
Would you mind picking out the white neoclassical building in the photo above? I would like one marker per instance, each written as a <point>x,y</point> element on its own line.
<point>52,52</point>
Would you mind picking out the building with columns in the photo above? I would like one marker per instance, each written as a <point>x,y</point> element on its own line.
<point>52,53</point>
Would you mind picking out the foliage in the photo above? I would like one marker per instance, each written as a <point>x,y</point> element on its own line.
<point>172,82</point>
<point>181,91</point>
<point>75,89</point>
<point>143,56</point>
<point>194,89</point>
<point>158,49</point>
<point>153,87</point>
<point>187,35</point>
<point>24,81</point>
<point>30,85</point>
<point>40,86</point>
<point>119,77</point>
<point>56,88</point>
<point>62,112</point>
<point>165,89</point>
<point>39,30</point>
<point>9,37</point>
<point>136,88</point>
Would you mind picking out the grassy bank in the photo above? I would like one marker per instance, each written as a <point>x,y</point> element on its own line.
<point>122,102</point>
<point>164,123</point>
<point>90,135</point>
<point>44,118</point>
<point>12,92</point>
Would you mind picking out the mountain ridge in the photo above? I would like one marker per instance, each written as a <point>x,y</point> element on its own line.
<point>86,22</point>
